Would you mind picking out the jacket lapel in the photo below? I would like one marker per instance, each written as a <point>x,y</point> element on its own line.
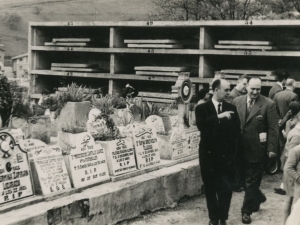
<point>212,108</point>
<point>255,108</point>
<point>242,110</point>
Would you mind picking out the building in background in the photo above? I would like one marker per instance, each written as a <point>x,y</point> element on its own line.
<point>20,66</point>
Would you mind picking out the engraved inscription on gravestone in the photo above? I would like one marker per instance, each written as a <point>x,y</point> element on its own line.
<point>87,162</point>
<point>51,170</point>
<point>193,139</point>
<point>157,122</point>
<point>178,144</point>
<point>31,145</point>
<point>146,147</point>
<point>15,176</point>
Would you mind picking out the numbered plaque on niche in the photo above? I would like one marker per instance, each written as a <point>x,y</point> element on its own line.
<point>87,162</point>
<point>15,175</point>
<point>120,156</point>
<point>157,122</point>
<point>146,147</point>
<point>51,170</point>
<point>179,144</point>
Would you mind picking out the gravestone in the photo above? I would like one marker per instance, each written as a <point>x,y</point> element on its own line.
<point>86,163</point>
<point>146,147</point>
<point>16,133</point>
<point>193,139</point>
<point>178,144</point>
<point>93,114</point>
<point>120,156</point>
<point>30,145</point>
<point>128,131</point>
<point>96,127</point>
<point>51,170</point>
<point>15,175</point>
<point>157,122</point>
<point>174,121</point>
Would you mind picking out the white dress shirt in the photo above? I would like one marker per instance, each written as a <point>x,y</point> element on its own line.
<point>280,84</point>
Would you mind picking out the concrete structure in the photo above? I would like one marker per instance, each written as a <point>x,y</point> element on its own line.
<point>2,51</point>
<point>20,65</point>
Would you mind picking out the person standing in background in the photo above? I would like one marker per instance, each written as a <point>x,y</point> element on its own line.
<point>259,128</point>
<point>281,76</point>
<point>219,125</point>
<point>239,89</point>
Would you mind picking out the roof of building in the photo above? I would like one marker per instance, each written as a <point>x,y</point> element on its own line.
<point>20,56</point>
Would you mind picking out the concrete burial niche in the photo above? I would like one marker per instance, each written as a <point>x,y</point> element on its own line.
<point>120,155</point>
<point>50,172</point>
<point>73,114</point>
<point>16,180</point>
<point>39,127</point>
<point>146,147</point>
<point>86,163</point>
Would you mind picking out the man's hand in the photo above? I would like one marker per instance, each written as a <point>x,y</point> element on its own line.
<point>225,115</point>
<point>279,122</point>
<point>271,154</point>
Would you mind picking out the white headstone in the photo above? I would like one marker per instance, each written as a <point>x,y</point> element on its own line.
<point>121,156</point>
<point>15,176</point>
<point>128,131</point>
<point>16,133</point>
<point>146,147</point>
<point>157,122</point>
<point>87,162</point>
<point>51,169</point>
<point>174,121</point>
<point>178,144</point>
<point>31,145</point>
<point>98,126</point>
<point>193,139</point>
<point>93,114</point>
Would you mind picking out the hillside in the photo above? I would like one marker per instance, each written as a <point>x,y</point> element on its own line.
<point>15,41</point>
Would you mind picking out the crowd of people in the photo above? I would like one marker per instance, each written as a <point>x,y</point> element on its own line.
<point>240,130</point>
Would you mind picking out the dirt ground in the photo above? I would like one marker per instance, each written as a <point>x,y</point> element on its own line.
<point>193,211</point>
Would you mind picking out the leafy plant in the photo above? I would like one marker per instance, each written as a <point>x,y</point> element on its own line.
<point>79,127</point>
<point>109,134</point>
<point>107,104</point>
<point>51,103</point>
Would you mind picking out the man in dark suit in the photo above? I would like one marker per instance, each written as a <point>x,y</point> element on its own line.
<point>281,76</point>
<point>259,128</point>
<point>219,125</point>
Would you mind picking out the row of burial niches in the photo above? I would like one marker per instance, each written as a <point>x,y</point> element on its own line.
<point>130,37</point>
<point>144,65</point>
<point>253,38</point>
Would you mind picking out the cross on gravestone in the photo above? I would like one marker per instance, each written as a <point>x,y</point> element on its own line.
<point>15,176</point>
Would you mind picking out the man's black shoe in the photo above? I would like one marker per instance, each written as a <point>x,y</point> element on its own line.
<point>256,209</point>
<point>279,191</point>
<point>213,222</point>
<point>223,222</point>
<point>263,198</point>
<point>246,219</point>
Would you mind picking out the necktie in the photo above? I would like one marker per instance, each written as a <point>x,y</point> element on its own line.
<point>251,102</point>
<point>219,108</point>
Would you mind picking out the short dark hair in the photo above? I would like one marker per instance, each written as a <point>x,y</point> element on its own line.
<point>216,84</point>
<point>201,94</point>
<point>282,75</point>
<point>294,107</point>
<point>244,76</point>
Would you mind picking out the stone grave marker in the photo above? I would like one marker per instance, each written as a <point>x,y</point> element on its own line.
<point>178,144</point>
<point>51,170</point>
<point>193,139</point>
<point>146,147</point>
<point>174,121</point>
<point>120,156</point>
<point>98,126</point>
<point>157,122</point>
<point>86,163</point>
<point>15,175</point>
<point>31,145</point>
<point>16,133</point>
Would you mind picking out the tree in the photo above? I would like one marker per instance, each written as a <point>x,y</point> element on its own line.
<point>214,9</point>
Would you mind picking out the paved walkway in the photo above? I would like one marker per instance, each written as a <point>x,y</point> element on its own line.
<point>193,211</point>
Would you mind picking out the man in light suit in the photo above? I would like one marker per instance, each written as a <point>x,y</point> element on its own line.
<point>281,76</point>
<point>219,125</point>
<point>259,128</point>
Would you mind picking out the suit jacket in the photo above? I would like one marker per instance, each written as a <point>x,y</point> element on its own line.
<point>276,88</point>
<point>261,119</point>
<point>218,137</point>
<point>233,94</point>
<point>282,100</point>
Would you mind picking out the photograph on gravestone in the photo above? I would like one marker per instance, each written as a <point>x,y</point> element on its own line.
<point>157,122</point>
<point>120,156</point>
<point>146,147</point>
<point>87,163</point>
<point>193,140</point>
<point>15,175</point>
<point>179,144</point>
<point>51,170</point>
<point>31,145</point>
